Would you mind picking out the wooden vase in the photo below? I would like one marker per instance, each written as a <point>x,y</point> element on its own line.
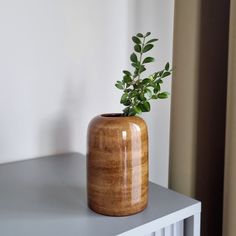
<point>117,165</point>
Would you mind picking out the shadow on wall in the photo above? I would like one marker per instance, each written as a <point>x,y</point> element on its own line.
<point>55,135</point>
<point>59,131</point>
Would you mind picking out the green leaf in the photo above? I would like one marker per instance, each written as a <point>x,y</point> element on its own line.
<point>145,106</point>
<point>151,84</point>
<point>165,74</point>
<point>160,73</point>
<point>154,96</point>
<point>136,40</point>
<point>134,65</point>
<point>157,88</point>
<point>148,60</point>
<point>142,97</point>
<point>139,35</point>
<point>137,86</point>
<point>148,94</point>
<point>137,48</point>
<point>151,77</point>
<point>137,109</point>
<point>119,85</point>
<point>124,98</point>
<point>126,111</point>
<point>127,79</point>
<point>167,66</point>
<point>126,72</point>
<point>142,69</point>
<point>163,95</point>
<point>147,34</point>
<point>146,81</point>
<point>132,112</point>
<point>127,103</point>
<point>160,81</point>
<point>152,41</point>
<point>148,47</point>
<point>133,57</point>
<point>134,93</point>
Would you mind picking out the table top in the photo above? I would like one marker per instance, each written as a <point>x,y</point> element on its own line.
<point>47,196</point>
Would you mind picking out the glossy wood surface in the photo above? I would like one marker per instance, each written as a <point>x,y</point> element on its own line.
<point>117,165</point>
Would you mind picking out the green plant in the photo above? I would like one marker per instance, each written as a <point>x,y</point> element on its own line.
<point>138,92</point>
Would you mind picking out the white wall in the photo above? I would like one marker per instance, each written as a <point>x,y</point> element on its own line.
<point>59,61</point>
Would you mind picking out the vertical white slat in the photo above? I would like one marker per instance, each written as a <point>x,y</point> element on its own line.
<point>192,225</point>
<point>174,230</point>
<point>168,231</point>
<point>180,228</point>
<point>160,232</point>
<point>177,229</point>
<point>151,234</point>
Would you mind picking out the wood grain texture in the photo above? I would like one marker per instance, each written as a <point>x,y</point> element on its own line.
<point>117,165</point>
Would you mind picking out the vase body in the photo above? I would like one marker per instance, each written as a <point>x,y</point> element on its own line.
<point>117,165</point>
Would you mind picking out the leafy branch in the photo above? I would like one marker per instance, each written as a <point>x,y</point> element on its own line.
<point>138,92</point>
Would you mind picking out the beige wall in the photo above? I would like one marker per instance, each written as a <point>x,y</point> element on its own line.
<point>230,164</point>
<point>184,92</point>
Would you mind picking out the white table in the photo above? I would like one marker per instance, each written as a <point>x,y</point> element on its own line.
<point>47,196</point>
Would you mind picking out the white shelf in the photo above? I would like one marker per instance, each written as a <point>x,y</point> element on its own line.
<point>47,196</point>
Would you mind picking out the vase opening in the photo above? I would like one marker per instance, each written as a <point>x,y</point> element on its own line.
<point>113,115</point>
